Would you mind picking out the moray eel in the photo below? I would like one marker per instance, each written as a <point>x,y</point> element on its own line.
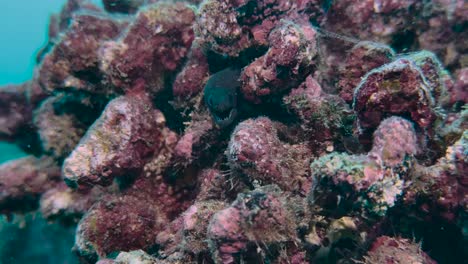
<point>221,96</point>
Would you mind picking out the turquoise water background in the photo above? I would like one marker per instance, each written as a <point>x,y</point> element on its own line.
<point>23,31</point>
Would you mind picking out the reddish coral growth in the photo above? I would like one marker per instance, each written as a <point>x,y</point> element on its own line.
<point>441,190</point>
<point>74,61</point>
<point>286,64</point>
<point>24,180</point>
<point>198,138</point>
<point>231,27</point>
<point>121,141</point>
<point>362,58</point>
<point>370,20</point>
<point>162,115</point>
<point>190,80</point>
<point>396,250</point>
<point>258,217</point>
<point>15,110</point>
<point>396,88</point>
<point>154,45</point>
<point>195,225</point>
<point>394,140</point>
<point>257,153</point>
<point>130,220</point>
<point>372,182</point>
<point>460,88</point>
<point>324,118</point>
<point>441,31</point>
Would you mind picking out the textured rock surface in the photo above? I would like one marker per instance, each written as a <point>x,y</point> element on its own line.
<point>286,63</point>
<point>122,140</point>
<point>159,37</point>
<point>395,88</point>
<point>396,250</point>
<point>257,152</point>
<point>239,131</point>
<point>23,181</point>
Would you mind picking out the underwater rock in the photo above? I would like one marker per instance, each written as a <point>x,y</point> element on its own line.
<point>74,63</point>
<point>59,134</point>
<point>260,217</point>
<point>256,153</point>
<point>393,250</point>
<point>15,110</point>
<point>24,180</point>
<point>214,185</point>
<point>218,28</point>
<point>459,93</point>
<point>190,81</point>
<point>129,220</point>
<point>288,61</point>
<point>441,190</point>
<point>379,21</point>
<point>137,257</point>
<point>241,131</point>
<point>353,194</point>
<point>195,225</point>
<point>324,118</point>
<point>394,140</point>
<point>160,37</point>
<point>396,88</point>
<point>195,143</point>
<point>436,76</point>
<point>442,30</point>
<point>17,103</point>
<point>362,58</point>
<point>119,143</point>
<point>66,205</point>
<point>371,182</point>
<point>232,27</point>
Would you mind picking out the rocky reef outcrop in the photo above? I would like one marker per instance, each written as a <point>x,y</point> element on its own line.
<point>239,131</point>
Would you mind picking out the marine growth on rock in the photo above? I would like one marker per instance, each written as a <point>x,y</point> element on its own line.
<point>240,131</point>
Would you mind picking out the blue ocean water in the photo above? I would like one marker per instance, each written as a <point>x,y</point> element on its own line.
<point>23,32</point>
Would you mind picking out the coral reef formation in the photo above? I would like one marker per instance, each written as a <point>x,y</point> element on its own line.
<point>239,131</point>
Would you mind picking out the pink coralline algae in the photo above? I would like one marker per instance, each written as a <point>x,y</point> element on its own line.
<point>127,221</point>
<point>396,250</point>
<point>73,62</point>
<point>121,140</point>
<point>256,151</point>
<point>24,180</point>
<point>441,190</point>
<point>395,88</point>
<point>15,110</point>
<point>362,58</point>
<point>240,131</point>
<point>258,217</point>
<point>160,37</point>
<point>286,63</point>
<point>373,181</point>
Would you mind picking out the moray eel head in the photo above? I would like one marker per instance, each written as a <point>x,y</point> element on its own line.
<point>220,95</point>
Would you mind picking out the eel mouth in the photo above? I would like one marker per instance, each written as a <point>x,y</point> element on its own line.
<point>225,118</point>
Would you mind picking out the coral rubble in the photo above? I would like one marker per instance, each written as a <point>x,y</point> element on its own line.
<point>240,131</point>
